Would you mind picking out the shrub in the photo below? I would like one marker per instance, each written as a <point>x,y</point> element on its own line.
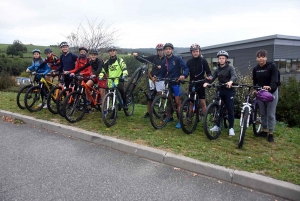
<point>6,80</point>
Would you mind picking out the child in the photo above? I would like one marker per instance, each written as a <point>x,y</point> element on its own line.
<point>52,60</point>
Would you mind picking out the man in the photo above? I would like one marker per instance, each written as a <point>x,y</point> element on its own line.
<point>225,74</point>
<point>171,68</point>
<point>158,85</point>
<point>115,67</point>
<point>198,67</point>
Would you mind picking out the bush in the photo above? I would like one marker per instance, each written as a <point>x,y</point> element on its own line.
<point>6,80</point>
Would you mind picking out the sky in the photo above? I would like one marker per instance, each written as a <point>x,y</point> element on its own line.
<point>143,24</point>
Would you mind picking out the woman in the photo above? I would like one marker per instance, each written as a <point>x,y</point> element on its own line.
<point>265,74</point>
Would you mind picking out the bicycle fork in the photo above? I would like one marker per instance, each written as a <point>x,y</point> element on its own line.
<point>246,105</point>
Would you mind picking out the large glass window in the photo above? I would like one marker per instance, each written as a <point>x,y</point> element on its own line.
<point>294,65</point>
<point>288,65</point>
<point>282,65</point>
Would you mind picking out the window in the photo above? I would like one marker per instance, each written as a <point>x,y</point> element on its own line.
<point>294,65</point>
<point>288,66</point>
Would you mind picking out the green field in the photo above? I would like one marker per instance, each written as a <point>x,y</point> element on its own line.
<point>280,160</point>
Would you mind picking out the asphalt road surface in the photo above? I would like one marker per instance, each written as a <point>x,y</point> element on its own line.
<point>36,164</point>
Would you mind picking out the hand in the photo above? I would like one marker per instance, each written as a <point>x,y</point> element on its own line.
<point>72,74</point>
<point>66,72</point>
<point>254,92</point>
<point>159,66</point>
<point>229,84</point>
<point>124,77</point>
<point>268,88</point>
<point>181,78</point>
<point>135,54</point>
<point>153,79</point>
<point>205,84</point>
<point>27,70</point>
<point>209,77</point>
<point>92,76</point>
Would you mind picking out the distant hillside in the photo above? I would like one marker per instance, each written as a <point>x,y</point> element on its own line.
<point>30,47</point>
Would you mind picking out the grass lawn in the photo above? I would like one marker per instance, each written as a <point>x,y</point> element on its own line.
<point>280,160</point>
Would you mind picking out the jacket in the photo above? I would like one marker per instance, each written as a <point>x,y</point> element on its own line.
<point>263,77</point>
<point>198,68</point>
<point>87,71</point>
<point>224,74</point>
<point>39,66</point>
<point>67,62</point>
<point>170,69</point>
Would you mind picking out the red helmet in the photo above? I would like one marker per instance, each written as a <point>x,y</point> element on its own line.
<point>159,46</point>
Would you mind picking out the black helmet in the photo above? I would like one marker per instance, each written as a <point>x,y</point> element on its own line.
<point>93,51</point>
<point>194,47</point>
<point>36,50</point>
<point>63,44</point>
<point>223,53</point>
<point>47,50</point>
<point>111,48</point>
<point>83,48</point>
<point>169,45</point>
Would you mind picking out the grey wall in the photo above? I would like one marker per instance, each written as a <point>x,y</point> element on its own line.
<point>287,52</point>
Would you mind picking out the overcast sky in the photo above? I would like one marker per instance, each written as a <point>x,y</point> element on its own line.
<point>146,23</point>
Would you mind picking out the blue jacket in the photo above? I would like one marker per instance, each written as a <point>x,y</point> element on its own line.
<point>67,62</point>
<point>171,69</point>
<point>39,66</point>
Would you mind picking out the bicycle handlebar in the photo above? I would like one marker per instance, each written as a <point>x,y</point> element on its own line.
<point>236,85</point>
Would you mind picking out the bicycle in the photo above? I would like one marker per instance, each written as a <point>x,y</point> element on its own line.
<point>36,96</point>
<point>23,90</point>
<point>55,91</point>
<point>216,114</point>
<point>190,110</point>
<point>110,106</point>
<point>249,115</point>
<point>75,102</point>
<point>160,104</point>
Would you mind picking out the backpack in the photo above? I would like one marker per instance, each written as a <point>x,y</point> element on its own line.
<point>278,79</point>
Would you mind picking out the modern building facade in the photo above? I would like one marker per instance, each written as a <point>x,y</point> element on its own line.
<point>283,50</point>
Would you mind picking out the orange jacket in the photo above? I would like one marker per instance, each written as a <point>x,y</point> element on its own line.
<point>80,66</point>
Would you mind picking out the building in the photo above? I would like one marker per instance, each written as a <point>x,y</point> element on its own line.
<point>283,50</point>
<point>23,80</point>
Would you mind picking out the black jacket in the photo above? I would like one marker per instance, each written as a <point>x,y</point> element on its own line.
<point>265,76</point>
<point>225,74</point>
<point>154,59</point>
<point>198,68</point>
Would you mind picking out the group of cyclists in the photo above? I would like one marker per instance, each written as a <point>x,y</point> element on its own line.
<point>167,65</point>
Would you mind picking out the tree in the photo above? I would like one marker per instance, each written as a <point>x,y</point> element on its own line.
<point>92,35</point>
<point>16,49</point>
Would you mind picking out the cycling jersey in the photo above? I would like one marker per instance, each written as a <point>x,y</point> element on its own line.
<point>67,62</point>
<point>114,68</point>
<point>87,71</point>
<point>53,61</point>
<point>39,66</point>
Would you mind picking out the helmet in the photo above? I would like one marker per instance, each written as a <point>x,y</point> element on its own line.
<point>223,53</point>
<point>83,48</point>
<point>63,44</point>
<point>264,96</point>
<point>36,50</point>
<point>195,47</point>
<point>169,45</point>
<point>93,51</point>
<point>47,50</point>
<point>159,46</point>
<point>111,48</point>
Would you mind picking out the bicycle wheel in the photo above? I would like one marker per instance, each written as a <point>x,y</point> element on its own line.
<point>256,124</point>
<point>135,78</point>
<point>188,116</point>
<point>212,124</point>
<point>33,99</point>
<point>60,101</point>
<point>51,99</point>
<point>244,125</point>
<point>130,105</point>
<point>21,96</point>
<point>158,116</point>
<point>109,112</point>
<point>74,106</point>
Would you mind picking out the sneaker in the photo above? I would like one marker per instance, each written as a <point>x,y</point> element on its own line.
<point>214,129</point>
<point>171,119</point>
<point>45,106</point>
<point>178,125</point>
<point>270,138</point>
<point>40,105</point>
<point>262,134</point>
<point>231,132</point>
<point>147,115</point>
<point>89,111</point>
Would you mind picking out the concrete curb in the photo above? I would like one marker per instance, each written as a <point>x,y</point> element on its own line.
<point>250,180</point>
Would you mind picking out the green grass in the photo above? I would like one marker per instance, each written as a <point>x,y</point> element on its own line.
<point>280,160</point>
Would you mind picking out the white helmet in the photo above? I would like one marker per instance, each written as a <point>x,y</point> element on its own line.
<point>223,53</point>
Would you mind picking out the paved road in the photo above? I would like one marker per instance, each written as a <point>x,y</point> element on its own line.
<point>39,165</point>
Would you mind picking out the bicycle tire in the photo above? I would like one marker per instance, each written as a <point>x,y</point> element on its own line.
<point>109,110</point>
<point>20,98</point>
<point>60,101</point>
<point>158,116</point>
<point>133,82</point>
<point>243,127</point>
<point>189,117</point>
<point>74,103</point>
<point>256,124</point>
<point>33,100</point>
<point>51,99</point>
<point>212,119</point>
<point>130,105</point>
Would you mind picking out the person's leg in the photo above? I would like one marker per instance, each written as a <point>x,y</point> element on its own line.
<point>120,87</point>
<point>271,114</point>
<point>177,94</point>
<point>228,96</point>
<point>264,119</point>
<point>201,93</point>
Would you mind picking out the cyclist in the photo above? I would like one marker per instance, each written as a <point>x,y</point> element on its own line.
<point>225,74</point>
<point>156,59</point>
<point>115,67</point>
<point>171,68</point>
<point>265,74</point>
<point>52,60</point>
<point>198,66</point>
<point>67,61</point>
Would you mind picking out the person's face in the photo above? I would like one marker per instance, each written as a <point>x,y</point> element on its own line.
<point>222,60</point>
<point>65,49</point>
<point>168,51</point>
<point>112,53</point>
<point>82,52</point>
<point>49,54</point>
<point>196,53</point>
<point>93,57</point>
<point>36,55</point>
<point>160,53</point>
<point>261,60</point>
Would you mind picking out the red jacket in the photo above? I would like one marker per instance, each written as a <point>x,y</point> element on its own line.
<point>87,71</point>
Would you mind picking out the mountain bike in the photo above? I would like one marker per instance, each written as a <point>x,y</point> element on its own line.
<point>113,102</point>
<point>190,110</point>
<point>23,90</point>
<point>249,115</point>
<point>55,91</point>
<point>162,104</point>
<point>36,96</point>
<point>216,113</point>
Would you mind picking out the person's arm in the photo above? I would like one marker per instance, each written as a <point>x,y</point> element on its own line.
<point>274,78</point>
<point>163,71</point>
<point>76,67</point>
<point>104,70</point>
<point>254,76</point>
<point>61,65</point>
<point>99,67</point>
<point>47,69</point>
<point>185,68</point>
<point>77,70</point>
<point>32,67</point>
<point>233,76</point>
<point>206,68</point>
<point>123,67</point>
